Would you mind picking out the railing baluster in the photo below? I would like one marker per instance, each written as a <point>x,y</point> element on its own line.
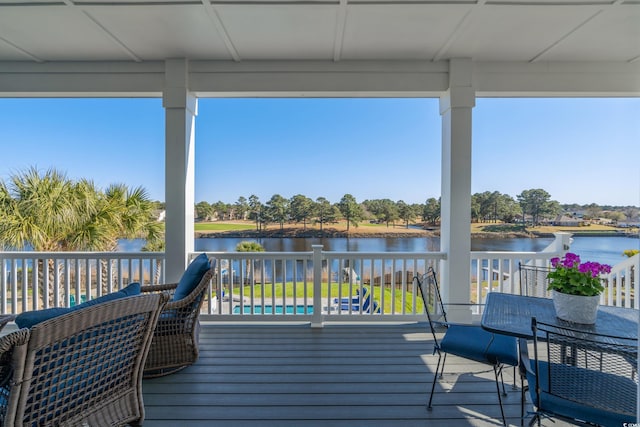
<point>325,276</point>
<point>34,282</point>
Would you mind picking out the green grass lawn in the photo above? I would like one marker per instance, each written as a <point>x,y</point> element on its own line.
<point>213,226</point>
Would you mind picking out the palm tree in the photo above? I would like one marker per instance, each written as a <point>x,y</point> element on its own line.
<point>249,246</point>
<point>155,246</point>
<point>39,212</point>
<point>49,212</point>
<point>123,213</point>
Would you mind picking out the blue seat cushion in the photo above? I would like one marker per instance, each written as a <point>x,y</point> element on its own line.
<point>473,342</point>
<point>602,391</point>
<point>192,276</point>
<point>31,318</point>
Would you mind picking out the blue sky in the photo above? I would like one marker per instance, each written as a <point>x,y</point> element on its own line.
<point>579,150</point>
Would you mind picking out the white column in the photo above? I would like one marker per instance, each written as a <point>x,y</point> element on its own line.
<point>180,112</point>
<point>456,109</point>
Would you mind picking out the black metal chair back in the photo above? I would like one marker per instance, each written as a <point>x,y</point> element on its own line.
<point>463,340</point>
<point>428,287</point>
<point>588,370</point>
<point>533,280</point>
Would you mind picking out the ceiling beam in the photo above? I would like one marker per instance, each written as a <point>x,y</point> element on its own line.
<point>320,79</point>
<point>215,19</point>
<point>464,22</point>
<point>341,23</point>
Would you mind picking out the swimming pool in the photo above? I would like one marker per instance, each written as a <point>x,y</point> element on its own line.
<point>279,309</point>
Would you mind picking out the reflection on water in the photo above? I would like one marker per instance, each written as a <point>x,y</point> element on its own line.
<point>329,244</point>
<point>601,249</point>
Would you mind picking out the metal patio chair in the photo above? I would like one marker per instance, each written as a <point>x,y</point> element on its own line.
<point>584,378</point>
<point>467,341</point>
<point>533,280</point>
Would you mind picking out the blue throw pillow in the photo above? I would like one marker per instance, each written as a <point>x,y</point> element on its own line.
<point>128,291</point>
<point>192,276</point>
<point>31,318</point>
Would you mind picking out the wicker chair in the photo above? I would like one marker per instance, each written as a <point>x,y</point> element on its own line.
<point>175,341</point>
<point>4,319</point>
<point>81,368</point>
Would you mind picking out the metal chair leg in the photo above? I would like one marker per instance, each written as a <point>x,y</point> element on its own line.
<point>435,378</point>
<point>444,359</point>
<point>504,390</point>
<point>523,399</point>
<point>498,372</point>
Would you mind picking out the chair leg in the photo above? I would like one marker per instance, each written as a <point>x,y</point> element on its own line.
<point>523,399</point>
<point>535,418</point>
<point>504,390</point>
<point>498,372</point>
<point>435,378</point>
<point>444,359</point>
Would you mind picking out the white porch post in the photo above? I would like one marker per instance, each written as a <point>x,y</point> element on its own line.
<point>456,106</point>
<point>180,111</point>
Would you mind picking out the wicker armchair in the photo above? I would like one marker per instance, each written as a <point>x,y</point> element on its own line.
<point>175,341</point>
<point>4,319</point>
<point>81,368</point>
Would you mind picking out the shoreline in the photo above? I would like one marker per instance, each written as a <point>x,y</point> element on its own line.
<point>406,233</point>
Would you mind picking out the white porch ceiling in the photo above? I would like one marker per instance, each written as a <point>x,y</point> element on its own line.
<point>43,31</point>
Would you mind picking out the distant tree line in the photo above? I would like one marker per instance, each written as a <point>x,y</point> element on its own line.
<point>529,207</point>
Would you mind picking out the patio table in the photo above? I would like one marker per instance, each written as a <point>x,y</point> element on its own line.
<point>509,314</point>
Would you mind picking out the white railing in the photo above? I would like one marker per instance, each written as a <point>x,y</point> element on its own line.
<point>317,285</point>
<point>311,286</point>
<point>500,271</point>
<point>622,283</point>
<point>36,280</point>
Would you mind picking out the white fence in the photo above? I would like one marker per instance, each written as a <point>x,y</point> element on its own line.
<point>317,286</point>
<point>313,286</point>
<point>36,280</point>
<point>621,284</point>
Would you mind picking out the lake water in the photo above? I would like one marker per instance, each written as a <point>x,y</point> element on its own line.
<point>607,250</point>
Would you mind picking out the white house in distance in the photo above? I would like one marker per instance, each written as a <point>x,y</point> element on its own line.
<point>567,221</point>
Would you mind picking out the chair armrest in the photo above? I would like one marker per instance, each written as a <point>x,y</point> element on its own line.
<point>6,318</point>
<point>158,288</point>
<point>8,343</point>
<point>167,288</point>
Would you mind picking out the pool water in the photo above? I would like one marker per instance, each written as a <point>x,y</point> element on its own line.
<point>279,309</point>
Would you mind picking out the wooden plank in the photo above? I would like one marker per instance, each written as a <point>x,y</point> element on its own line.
<point>340,375</point>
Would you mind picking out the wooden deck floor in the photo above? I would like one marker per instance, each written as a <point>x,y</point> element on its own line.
<point>340,375</point>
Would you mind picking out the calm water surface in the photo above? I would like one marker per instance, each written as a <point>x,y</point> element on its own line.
<point>602,249</point>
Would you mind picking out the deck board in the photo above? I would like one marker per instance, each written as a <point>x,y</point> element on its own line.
<point>339,375</point>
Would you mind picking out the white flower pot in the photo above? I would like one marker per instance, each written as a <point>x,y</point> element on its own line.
<point>576,308</point>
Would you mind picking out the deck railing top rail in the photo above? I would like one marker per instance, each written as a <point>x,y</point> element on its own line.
<point>313,286</point>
